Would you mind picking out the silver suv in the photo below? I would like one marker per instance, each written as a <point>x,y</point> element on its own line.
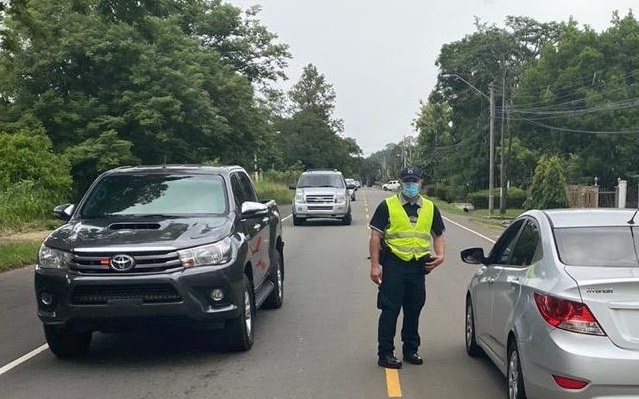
<point>322,194</point>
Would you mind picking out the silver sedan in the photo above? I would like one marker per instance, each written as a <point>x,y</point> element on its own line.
<point>555,305</point>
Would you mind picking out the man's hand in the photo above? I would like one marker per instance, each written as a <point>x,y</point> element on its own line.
<point>433,262</point>
<point>376,274</point>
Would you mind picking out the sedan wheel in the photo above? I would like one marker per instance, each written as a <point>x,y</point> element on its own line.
<point>515,376</point>
<point>472,348</point>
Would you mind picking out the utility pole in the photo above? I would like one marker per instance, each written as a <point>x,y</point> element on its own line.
<point>491,182</point>
<point>502,174</point>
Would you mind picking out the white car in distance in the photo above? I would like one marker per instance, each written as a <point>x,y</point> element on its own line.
<point>391,185</point>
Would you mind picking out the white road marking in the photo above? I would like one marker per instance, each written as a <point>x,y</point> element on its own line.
<point>23,359</point>
<point>288,217</point>
<point>469,230</point>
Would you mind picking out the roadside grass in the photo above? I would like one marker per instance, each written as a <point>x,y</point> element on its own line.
<point>481,216</point>
<point>16,254</point>
<point>276,191</point>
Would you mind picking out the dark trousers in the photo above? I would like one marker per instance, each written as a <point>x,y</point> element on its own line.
<point>403,288</point>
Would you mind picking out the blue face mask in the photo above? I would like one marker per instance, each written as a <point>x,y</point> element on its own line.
<point>410,189</point>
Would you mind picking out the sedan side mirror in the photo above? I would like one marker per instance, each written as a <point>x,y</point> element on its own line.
<point>474,256</point>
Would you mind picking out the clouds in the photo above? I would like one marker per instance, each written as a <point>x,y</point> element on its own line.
<point>380,55</point>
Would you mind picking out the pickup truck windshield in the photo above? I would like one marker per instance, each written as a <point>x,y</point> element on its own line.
<point>147,195</point>
<point>328,180</point>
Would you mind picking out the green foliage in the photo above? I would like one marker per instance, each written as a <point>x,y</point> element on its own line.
<point>18,254</point>
<point>439,191</point>
<point>585,84</point>
<point>287,178</point>
<point>279,192</point>
<point>311,137</point>
<point>549,185</point>
<point>515,198</point>
<point>114,82</point>
<point>32,178</point>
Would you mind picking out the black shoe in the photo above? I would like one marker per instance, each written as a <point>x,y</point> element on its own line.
<point>413,358</point>
<point>389,362</point>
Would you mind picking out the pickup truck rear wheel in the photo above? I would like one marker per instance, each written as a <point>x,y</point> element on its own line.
<point>65,343</point>
<point>276,298</point>
<point>239,331</point>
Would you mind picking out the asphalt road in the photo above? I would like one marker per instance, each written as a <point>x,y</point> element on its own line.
<point>320,344</point>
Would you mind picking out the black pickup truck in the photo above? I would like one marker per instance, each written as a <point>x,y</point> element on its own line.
<point>160,246</point>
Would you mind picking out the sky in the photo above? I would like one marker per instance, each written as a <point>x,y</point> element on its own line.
<point>380,55</point>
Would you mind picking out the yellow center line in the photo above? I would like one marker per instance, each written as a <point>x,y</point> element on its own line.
<point>392,383</point>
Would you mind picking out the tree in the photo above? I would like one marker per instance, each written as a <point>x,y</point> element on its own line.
<point>548,189</point>
<point>434,140</point>
<point>579,99</point>
<point>311,136</point>
<point>313,93</point>
<point>162,80</point>
<point>32,178</point>
<point>468,67</point>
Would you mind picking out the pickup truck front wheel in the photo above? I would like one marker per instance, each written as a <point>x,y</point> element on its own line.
<point>65,343</point>
<point>239,331</point>
<point>348,219</point>
<point>276,298</point>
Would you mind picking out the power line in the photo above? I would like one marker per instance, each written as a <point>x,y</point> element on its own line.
<point>561,129</point>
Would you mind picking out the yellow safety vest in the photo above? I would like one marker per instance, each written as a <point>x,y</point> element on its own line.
<point>406,241</point>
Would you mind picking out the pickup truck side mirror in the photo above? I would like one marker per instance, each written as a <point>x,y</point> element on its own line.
<point>64,211</point>
<point>351,186</point>
<point>292,186</point>
<point>253,209</point>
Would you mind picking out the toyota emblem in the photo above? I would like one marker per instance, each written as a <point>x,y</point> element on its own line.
<point>122,263</point>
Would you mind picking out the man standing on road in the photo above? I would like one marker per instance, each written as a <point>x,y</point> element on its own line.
<point>401,229</point>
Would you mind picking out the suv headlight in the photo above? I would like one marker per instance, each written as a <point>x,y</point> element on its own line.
<point>49,258</point>
<point>340,198</point>
<point>299,197</point>
<point>206,255</point>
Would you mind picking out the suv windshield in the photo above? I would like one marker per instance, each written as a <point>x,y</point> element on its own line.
<point>597,246</point>
<point>146,195</point>
<point>320,180</point>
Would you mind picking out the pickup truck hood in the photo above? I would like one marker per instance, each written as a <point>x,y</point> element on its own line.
<point>161,232</point>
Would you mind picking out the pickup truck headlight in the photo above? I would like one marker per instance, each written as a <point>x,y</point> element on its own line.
<point>340,198</point>
<point>299,197</point>
<point>49,258</point>
<point>207,255</point>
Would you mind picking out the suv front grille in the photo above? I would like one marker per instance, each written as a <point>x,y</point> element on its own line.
<point>146,293</point>
<point>145,262</point>
<point>320,199</point>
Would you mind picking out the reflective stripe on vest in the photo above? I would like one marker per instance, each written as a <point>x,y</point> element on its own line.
<point>406,241</point>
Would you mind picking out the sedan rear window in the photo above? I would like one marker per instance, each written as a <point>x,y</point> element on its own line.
<point>597,246</point>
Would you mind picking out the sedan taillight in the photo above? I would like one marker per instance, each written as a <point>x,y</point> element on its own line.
<point>567,315</point>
